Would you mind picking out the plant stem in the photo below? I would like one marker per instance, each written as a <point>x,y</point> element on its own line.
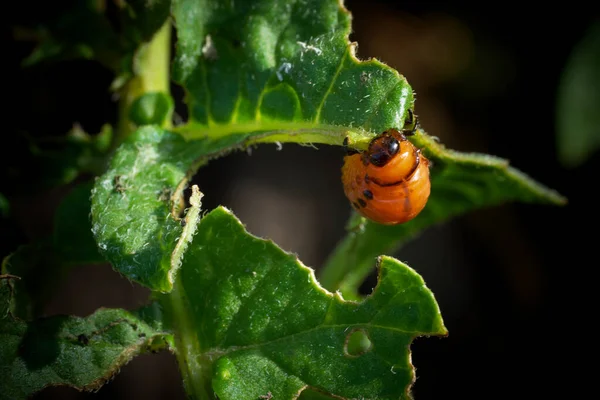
<point>151,73</point>
<point>339,264</point>
<point>196,374</point>
<point>195,366</point>
<point>355,256</point>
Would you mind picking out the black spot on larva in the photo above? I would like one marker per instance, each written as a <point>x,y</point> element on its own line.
<point>356,205</point>
<point>362,202</point>
<point>368,194</point>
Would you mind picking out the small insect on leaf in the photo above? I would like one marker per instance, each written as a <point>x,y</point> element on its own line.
<point>389,183</point>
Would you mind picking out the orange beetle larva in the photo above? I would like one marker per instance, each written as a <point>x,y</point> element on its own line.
<point>388,183</point>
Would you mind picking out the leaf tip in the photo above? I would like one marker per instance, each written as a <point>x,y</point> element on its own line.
<point>407,276</point>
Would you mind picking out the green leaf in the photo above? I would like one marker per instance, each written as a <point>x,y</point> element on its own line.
<point>276,65</point>
<point>85,31</point>
<point>143,18</point>
<point>137,203</point>
<point>81,32</point>
<point>6,293</point>
<point>250,319</point>
<point>61,160</point>
<point>312,394</point>
<point>460,182</point>
<point>577,116</point>
<point>62,350</point>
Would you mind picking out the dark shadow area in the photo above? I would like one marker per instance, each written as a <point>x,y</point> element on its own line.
<point>40,345</point>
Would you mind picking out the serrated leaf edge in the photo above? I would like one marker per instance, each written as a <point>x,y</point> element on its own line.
<point>216,353</point>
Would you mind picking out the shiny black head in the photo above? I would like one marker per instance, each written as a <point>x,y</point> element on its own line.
<point>382,149</point>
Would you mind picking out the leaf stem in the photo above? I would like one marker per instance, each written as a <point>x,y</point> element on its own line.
<point>196,374</point>
<point>151,73</point>
<point>341,263</point>
<point>354,257</point>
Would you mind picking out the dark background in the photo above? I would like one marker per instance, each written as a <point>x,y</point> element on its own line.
<point>512,281</point>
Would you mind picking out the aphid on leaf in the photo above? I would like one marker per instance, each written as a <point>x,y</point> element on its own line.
<point>388,183</point>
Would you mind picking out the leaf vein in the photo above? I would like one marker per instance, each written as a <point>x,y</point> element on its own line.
<point>330,88</point>
<point>220,351</point>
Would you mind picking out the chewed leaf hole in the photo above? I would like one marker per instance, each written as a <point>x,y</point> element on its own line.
<point>357,343</point>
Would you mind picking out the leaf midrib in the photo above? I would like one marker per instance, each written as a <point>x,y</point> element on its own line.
<point>218,352</point>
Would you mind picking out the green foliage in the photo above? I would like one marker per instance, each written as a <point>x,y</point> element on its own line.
<point>578,119</point>
<point>274,65</point>
<point>255,317</point>
<point>151,108</point>
<point>87,32</point>
<point>84,32</point>
<point>246,319</point>
<point>63,350</point>
<point>136,204</point>
<point>228,82</point>
<point>61,160</point>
